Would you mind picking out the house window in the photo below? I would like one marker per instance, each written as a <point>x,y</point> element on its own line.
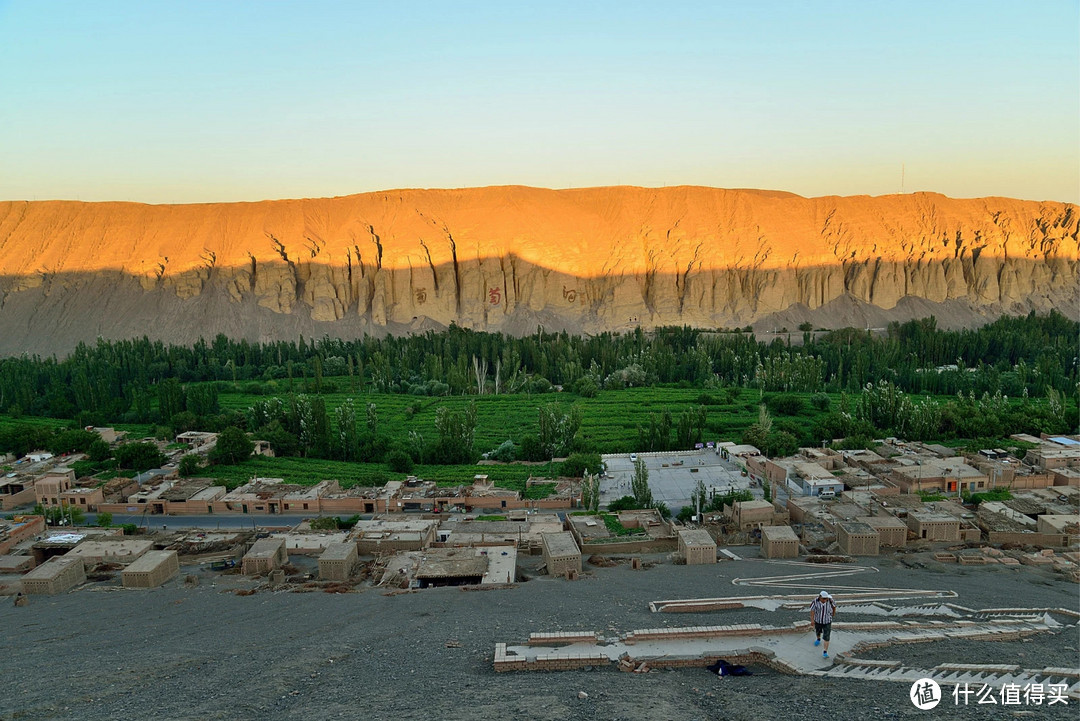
<point>305,506</point>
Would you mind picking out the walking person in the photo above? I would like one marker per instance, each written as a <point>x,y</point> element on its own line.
<point>822,611</point>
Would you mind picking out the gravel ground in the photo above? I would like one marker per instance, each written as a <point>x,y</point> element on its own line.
<point>205,653</point>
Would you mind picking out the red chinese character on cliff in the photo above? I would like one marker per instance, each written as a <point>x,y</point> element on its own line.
<point>494,296</point>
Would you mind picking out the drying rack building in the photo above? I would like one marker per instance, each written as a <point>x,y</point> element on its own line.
<point>151,570</point>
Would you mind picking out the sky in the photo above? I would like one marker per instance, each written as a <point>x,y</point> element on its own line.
<point>178,102</point>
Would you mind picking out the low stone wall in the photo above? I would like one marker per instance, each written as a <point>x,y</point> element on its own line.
<point>554,661</point>
<point>562,639</point>
<point>1052,540</point>
<point>692,632</point>
<point>652,545</point>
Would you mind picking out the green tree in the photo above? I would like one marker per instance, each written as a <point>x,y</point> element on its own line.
<point>72,441</point>
<point>348,436</point>
<point>699,499</point>
<point>639,485</point>
<point>586,387</point>
<point>139,456</point>
<point>171,399</point>
<point>233,446</point>
<point>184,421</point>
<point>104,519</point>
<point>625,503</point>
<point>399,461</point>
<point>590,492</point>
<point>99,451</point>
<point>55,515</point>
<point>557,429</point>
<point>505,452</point>
<point>202,400</point>
<point>578,464</point>
<point>189,465</point>
<point>456,431</point>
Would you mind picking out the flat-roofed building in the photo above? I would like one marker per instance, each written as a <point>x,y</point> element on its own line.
<point>524,533</point>
<point>47,488</point>
<point>491,565</point>
<point>266,555</point>
<point>930,526</point>
<point>16,564</point>
<point>805,509</point>
<point>779,542</point>
<point>87,499</point>
<point>56,575</point>
<point>561,553</point>
<point>857,539</point>
<point>197,440</point>
<point>337,561</point>
<point>15,492</point>
<point>19,529</point>
<point>752,514</point>
<point>1066,524</point>
<point>1055,452</point>
<point>948,475</point>
<point>118,550</point>
<point>378,536</point>
<point>697,546</point>
<point>1069,477</point>
<point>151,570</point>
<point>892,532</point>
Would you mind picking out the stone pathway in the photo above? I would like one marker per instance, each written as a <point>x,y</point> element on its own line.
<point>790,649</point>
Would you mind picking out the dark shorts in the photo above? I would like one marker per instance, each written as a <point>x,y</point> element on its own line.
<point>823,630</point>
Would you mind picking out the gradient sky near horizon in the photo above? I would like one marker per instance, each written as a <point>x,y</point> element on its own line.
<point>221,101</point>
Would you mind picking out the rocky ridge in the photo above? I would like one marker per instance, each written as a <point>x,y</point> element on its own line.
<point>510,258</point>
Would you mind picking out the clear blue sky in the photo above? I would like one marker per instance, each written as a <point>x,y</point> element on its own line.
<point>198,101</point>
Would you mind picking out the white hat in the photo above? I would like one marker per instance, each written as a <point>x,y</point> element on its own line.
<point>825,594</point>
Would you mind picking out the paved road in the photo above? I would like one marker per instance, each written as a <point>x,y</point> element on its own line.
<point>208,521</point>
<point>672,483</point>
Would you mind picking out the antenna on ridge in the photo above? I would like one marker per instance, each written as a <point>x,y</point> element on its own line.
<point>902,172</point>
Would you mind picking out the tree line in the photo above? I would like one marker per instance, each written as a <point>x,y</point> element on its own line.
<point>118,381</point>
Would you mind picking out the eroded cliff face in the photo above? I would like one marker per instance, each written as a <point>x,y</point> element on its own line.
<point>508,258</point>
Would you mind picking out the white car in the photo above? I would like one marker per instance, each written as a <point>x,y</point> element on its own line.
<point>633,457</point>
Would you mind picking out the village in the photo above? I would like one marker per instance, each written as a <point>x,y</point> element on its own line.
<point>822,505</point>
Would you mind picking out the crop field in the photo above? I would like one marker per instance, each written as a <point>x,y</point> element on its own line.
<point>609,422</point>
<point>10,422</point>
<point>134,430</point>
<point>309,471</point>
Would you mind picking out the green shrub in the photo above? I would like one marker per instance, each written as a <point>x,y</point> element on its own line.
<point>577,464</point>
<point>325,523</point>
<point>626,503</point>
<point>399,461</point>
<point>616,528</point>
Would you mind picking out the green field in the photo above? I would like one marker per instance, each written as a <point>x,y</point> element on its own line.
<point>309,471</point>
<point>609,422</point>
<point>134,430</point>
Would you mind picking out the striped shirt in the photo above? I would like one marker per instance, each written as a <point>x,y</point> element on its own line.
<point>823,610</point>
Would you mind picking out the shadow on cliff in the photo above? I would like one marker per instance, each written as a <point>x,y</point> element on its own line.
<point>51,313</point>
